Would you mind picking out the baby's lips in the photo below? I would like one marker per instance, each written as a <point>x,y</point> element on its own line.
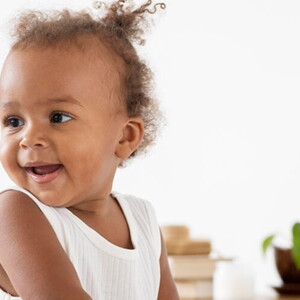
<point>42,168</point>
<point>47,169</point>
<point>43,174</point>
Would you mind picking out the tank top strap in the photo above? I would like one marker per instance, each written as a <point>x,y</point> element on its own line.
<point>144,213</point>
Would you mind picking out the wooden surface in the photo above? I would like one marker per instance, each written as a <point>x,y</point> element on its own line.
<point>277,298</point>
<point>255,298</point>
<point>258,297</point>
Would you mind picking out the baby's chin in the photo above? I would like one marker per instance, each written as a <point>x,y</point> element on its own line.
<point>53,198</point>
<point>49,197</point>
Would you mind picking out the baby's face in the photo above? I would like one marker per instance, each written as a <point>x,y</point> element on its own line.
<point>61,122</point>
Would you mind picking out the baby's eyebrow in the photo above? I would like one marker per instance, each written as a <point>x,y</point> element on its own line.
<point>9,104</point>
<point>67,99</point>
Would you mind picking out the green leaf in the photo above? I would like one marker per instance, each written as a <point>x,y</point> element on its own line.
<point>267,242</point>
<point>296,244</point>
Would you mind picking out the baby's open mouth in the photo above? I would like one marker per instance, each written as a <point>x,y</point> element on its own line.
<point>44,173</point>
<point>43,170</point>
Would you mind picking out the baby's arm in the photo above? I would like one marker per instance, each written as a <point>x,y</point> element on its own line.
<point>31,254</point>
<point>167,288</point>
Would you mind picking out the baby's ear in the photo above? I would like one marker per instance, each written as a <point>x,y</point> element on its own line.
<point>133,132</point>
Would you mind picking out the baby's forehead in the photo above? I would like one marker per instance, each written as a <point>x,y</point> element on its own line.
<point>88,48</point>
<point>86,52</point>
<point>88,63</point>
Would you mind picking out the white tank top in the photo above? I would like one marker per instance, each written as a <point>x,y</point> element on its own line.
<point>106,271</point>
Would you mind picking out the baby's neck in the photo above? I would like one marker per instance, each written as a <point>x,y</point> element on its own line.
<point>110,222</point>
<point>94,208</point>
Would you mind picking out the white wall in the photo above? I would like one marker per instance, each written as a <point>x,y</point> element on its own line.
<point>228,162</point>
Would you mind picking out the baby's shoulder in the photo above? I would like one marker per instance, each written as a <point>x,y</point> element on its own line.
<point>21,220</point>
<point>19,197</point>
<point>29,246</point>
<point>18,210</point>
<point>14,201</point>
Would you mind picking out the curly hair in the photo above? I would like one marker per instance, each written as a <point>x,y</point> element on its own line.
<point>120,27</point>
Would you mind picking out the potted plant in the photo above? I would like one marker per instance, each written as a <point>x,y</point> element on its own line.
<point>287,260</point>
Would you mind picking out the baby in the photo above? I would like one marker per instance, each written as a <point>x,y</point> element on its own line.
<point>74,106</point>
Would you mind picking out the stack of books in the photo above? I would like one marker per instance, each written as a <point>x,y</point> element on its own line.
<point>191,262</point>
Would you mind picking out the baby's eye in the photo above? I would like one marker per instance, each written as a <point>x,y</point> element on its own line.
<point>60,118</point>
<point>13,122</point>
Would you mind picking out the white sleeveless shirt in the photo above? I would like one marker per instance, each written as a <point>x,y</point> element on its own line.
<point>106,271</point>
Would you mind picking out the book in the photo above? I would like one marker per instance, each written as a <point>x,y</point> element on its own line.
<point>195,289</point>
<point>175,232</point>
<point>187,267</point>
<point>187,246</point>
<point>178,241</point>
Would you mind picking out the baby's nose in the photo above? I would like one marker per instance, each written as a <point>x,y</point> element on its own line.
<point>33,138</point>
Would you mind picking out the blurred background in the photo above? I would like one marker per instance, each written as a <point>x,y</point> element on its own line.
<point>227,162</point>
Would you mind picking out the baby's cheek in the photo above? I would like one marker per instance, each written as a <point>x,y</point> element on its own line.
<point>13,170</point>
<point>8,157</point>
<point>6,153</point>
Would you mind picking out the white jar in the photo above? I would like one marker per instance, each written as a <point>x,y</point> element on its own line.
<point>233,281</point>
